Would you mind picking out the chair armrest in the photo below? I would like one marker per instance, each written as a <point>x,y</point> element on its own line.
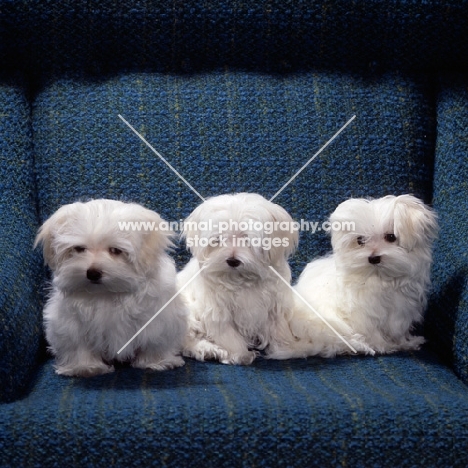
<point>20,267</point>
<point>447,315</point>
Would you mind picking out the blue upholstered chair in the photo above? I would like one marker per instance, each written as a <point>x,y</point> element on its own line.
<point>238,96</point>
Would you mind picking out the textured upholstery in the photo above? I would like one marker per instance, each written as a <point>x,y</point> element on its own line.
<point>192,35</point>
<point>355,411</point>
<point>21,272</point>
<point>447,319</point>
<point>237,96</point>
<point>235,131</point>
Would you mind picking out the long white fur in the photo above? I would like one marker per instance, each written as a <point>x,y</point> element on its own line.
<point>234,312</point>
<point>373,306</point>
<point>86,324</point>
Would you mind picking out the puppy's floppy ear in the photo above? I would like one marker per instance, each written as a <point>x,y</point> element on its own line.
<point>190,227</point>
<point>154,241</point>
<point>47,233</point>
<point>289,237</point>
<point>346,215</point>
<point>415,223</point>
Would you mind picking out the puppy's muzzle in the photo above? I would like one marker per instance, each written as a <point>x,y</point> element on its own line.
<point>233,262</point>
<point>94,275</point>
<point>374,259</point>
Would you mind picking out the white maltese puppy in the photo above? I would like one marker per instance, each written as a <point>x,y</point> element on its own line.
<point>108,282</point>
<point>374,286</point>
<point>237,303</point>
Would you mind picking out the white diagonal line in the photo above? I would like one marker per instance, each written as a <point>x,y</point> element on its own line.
<point>313,310</point>
<point>312,158</point>
<point>160,310</point>
<point>159,155</point>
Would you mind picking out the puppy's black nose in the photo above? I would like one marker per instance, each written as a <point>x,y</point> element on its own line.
<point>233,262</point>
<point>374,259</point>
<point>94,275</point>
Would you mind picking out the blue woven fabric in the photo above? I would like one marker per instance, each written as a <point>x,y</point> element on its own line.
<point>20,269</point>
<point>191,35</point>
<point>396,411</point>
<point>230,132</point>
<point>237,96</point>
<point>447,319</point>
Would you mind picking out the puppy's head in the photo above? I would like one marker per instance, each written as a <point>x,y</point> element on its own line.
<point>240,235</point>
<point>390,237</point>
<point>102,245</point>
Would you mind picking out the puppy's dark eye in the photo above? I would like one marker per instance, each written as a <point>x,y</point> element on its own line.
<point>115,251</point>
<point>79,249</point>
<point>390,237</point>
<point>361,240</point>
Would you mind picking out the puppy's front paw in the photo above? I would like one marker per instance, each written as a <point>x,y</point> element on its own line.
<point>80,370</point>
<point>161,364</point>
<point>244,359</point>
<point>413,343</point>
<point>204,350</point>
